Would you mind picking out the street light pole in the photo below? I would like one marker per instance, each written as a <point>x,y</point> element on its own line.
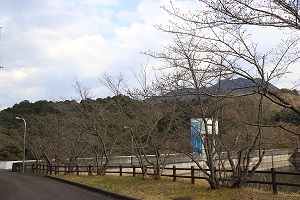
<point>297,143</point>
<point>132,140</point>
<point>24,146</point>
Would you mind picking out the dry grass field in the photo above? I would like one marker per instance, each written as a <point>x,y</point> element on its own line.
<point>166,189</point>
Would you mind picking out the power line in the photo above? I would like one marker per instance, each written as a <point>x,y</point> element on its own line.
<point>11,92</point>
<point>1,66</point>
<point>1,57</point>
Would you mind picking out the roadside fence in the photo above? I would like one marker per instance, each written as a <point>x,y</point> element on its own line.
<point>191,173</point>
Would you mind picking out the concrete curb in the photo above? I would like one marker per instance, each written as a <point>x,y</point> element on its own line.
<point>105,192</point>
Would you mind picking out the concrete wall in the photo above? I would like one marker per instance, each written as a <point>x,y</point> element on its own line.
<point>179,160</point>
<point>184,161</point>
<point>8,164</point>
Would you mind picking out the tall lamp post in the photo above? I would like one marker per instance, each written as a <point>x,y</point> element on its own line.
<point>297,143</point>
<point>23,167</point>
<point>132,140</point>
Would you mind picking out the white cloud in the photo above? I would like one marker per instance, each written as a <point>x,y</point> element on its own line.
<point>96,2</point>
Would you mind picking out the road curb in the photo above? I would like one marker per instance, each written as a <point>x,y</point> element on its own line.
<point>94,189</point>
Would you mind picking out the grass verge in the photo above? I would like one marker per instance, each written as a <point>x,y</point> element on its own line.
<point>167,189</point>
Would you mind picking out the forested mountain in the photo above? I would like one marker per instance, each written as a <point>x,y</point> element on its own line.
<point>64,123</point>
<point>58,122</point>
<point>238,85</point>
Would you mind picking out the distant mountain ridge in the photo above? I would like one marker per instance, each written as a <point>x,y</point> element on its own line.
<point>232,86</point>
<point>238,85</point>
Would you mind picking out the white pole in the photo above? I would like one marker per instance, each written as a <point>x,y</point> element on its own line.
<point>24,143</point>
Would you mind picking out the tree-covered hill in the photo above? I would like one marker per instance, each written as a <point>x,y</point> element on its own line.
<point>57,123</point>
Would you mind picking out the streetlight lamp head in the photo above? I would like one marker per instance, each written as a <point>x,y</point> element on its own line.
<point>18,118</point>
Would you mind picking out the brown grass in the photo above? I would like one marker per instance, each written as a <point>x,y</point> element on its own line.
<point>167,189</point>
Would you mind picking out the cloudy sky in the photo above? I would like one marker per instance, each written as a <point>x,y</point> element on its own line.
<point>47,43</point>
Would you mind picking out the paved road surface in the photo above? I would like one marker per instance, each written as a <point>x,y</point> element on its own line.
<point>23,186</point>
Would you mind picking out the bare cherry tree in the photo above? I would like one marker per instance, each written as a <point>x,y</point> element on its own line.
<point>149,121</point>
<point>204,53</point>
<point>280,14</point>
<point>98,124</point>
<point>272,13</point>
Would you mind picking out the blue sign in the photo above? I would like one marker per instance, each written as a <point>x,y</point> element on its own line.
<point>195,135</point>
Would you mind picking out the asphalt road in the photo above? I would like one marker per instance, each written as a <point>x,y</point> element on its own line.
<point>23,186</point>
